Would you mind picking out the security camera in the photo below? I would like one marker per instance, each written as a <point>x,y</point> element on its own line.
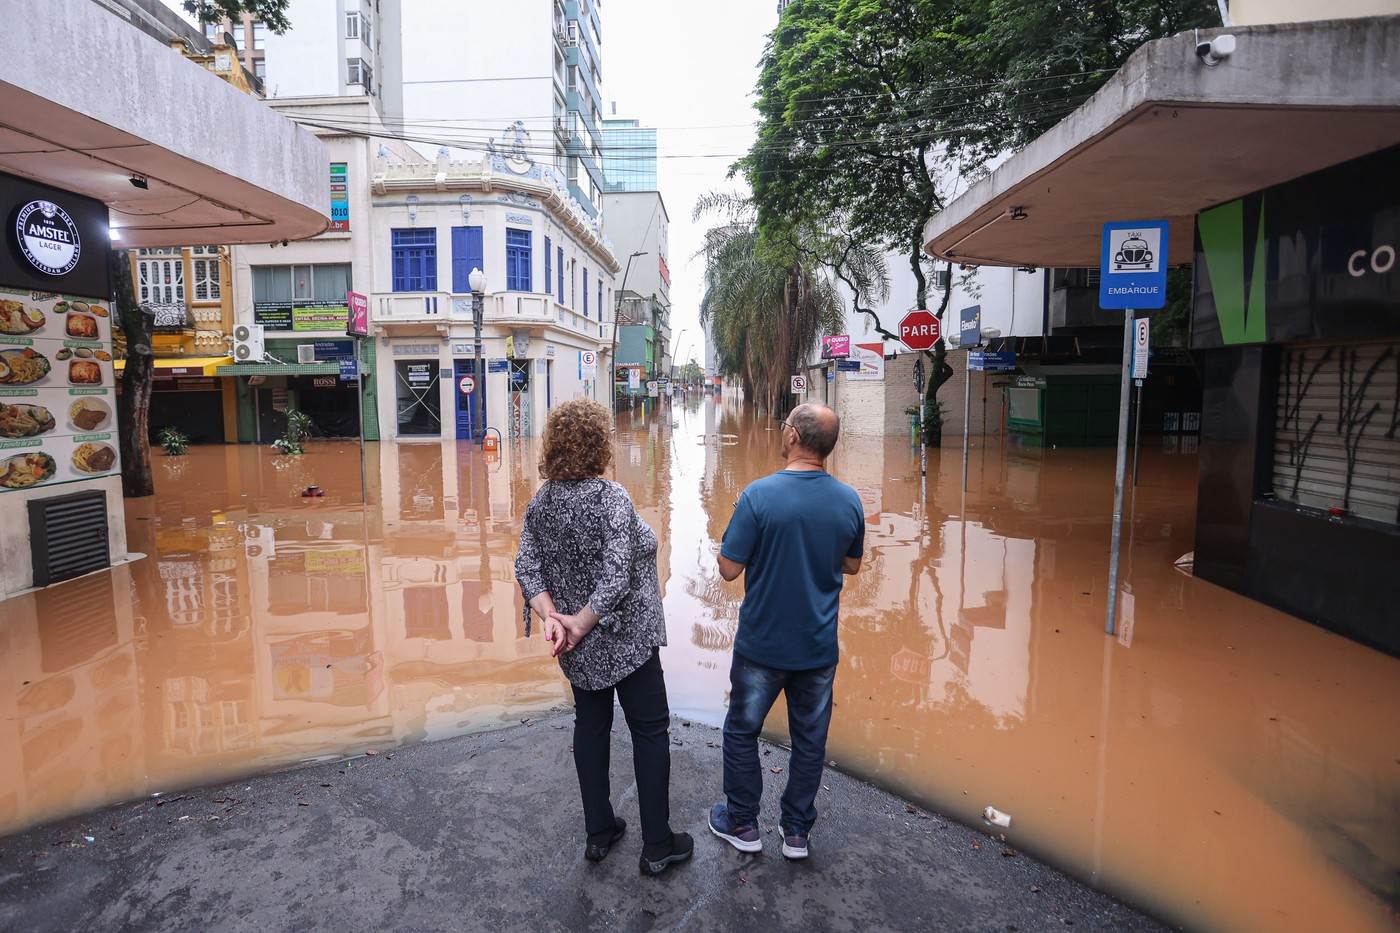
<point>1216,50</point>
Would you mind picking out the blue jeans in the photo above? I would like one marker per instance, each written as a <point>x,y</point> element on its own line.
<point>753,689</point>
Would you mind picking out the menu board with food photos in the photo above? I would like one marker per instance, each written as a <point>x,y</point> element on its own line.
<point>58,418</point>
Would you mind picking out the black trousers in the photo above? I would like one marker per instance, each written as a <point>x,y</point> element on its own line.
<point>643,697</point>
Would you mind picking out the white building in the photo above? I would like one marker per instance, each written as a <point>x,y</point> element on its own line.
<point>390,88</point>
<point>637,222</point>
<point>548,280</point>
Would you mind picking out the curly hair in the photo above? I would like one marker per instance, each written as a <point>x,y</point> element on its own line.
<point>577,442</point>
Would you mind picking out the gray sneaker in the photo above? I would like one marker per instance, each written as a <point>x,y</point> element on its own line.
<point>795,846</point>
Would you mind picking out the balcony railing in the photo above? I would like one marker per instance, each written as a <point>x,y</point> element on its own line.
<point>518,308</point>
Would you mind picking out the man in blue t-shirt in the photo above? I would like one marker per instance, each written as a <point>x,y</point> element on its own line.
<point>793,535</point>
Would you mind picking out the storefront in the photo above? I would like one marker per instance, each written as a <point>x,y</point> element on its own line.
<point>60,489</point>
<point>1296,325</point>
<point>317,379</point>
<point>1290,219</point>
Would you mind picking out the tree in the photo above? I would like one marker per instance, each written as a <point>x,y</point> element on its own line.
<point>767,303</point>
<point>138,376</point>
<point>271,13</point>
<point>875,113</point>
<point>691,373</point>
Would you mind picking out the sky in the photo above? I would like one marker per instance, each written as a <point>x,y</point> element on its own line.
<point>689,70</point>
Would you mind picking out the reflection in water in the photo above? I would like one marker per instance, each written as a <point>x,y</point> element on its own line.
<point>1219,762</point>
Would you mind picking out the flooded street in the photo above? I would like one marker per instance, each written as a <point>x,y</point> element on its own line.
<point>1220,763</point>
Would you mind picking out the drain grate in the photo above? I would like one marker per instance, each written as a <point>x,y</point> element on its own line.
<point>68,536</point>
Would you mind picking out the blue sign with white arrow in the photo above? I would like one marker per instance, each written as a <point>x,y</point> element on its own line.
<point>1133,266</point>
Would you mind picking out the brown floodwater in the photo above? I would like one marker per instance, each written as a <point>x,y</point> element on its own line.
<point>1220,763</point>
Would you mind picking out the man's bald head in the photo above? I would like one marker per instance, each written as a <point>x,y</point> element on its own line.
<point>817,428</point>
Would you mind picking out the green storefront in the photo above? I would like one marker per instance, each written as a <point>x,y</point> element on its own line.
<point>267,391</point>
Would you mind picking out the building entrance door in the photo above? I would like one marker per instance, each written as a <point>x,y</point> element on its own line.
<point>464,375</point>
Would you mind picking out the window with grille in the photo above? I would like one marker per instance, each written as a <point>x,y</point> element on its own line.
<point>1337,429</point>
<point>206,279</point>
<point>160,281</point>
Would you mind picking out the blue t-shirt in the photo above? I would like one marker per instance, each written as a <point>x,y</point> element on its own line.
<point>791,531</point>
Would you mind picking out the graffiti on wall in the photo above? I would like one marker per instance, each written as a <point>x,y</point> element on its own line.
<point>1339,425</point>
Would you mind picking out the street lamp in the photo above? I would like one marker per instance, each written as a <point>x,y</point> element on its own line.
<point>476,281</point>
<point>612,358</point>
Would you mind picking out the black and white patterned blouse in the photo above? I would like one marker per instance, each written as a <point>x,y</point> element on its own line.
<point>584,544</point>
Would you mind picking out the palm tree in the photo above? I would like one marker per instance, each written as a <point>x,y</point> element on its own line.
<point>770,295</point>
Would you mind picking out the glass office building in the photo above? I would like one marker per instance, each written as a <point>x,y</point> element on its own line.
<point>629,156</point>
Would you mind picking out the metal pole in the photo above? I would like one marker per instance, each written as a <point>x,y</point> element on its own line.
<point>967,413</point>
<point>1137,431</point>
<point>1111,622</point>
<point>479,388</point>
<point>360,397</point>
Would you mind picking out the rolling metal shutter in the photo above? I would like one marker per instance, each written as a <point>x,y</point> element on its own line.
<point>1337,429</point>
<point>68,536</point>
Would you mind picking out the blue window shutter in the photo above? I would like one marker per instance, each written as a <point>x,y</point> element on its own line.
<point>518,260</point>
<point>548,262</point>
<point>466,256</point>
<point>561,274</point>
<point>585,291</point>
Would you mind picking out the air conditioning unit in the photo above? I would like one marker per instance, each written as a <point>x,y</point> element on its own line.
<point>248,343</point>
<point>940,279</point>
<point>306,353</point>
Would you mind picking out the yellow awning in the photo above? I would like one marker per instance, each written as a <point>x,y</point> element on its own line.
<point>196,365</point>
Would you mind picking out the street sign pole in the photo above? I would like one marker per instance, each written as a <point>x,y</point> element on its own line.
<point>1132,275</point>
<point>969,328</point>
<point>1137,431</point>
<point>919,423</point>
<point>360,397</point>
<point>1118,471</point>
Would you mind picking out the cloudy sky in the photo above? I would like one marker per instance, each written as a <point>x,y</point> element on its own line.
<point>689,70</point>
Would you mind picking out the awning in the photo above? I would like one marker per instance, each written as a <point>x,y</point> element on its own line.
<point>88,102</point>
<point>185,365</point>
<point>1169,136</point>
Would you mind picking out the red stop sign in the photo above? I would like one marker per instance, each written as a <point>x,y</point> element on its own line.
<point>919,330</point>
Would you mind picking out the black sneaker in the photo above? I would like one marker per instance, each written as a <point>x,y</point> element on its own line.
<point>599,844</point>
<point>656,859</point>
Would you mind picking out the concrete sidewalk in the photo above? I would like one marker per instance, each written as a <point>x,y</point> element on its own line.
<point>484,832</point>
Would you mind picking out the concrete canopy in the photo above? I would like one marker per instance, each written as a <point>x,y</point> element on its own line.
<point>87,101</point>
<point>1169,136</point>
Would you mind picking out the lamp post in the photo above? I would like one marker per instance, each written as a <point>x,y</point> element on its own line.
<point>476,281</point>
<point>612,357</point>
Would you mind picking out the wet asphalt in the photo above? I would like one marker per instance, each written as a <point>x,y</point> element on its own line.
<point>484,832</point>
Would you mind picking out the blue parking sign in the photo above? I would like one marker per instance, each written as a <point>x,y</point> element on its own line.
<point>1133,267</point>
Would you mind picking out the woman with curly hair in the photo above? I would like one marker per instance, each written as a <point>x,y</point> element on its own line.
<point>587,566</point>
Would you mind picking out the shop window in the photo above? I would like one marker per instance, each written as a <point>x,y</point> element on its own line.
<point>414,260</point>
<point>416,396</point>
<point>518,260</point>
